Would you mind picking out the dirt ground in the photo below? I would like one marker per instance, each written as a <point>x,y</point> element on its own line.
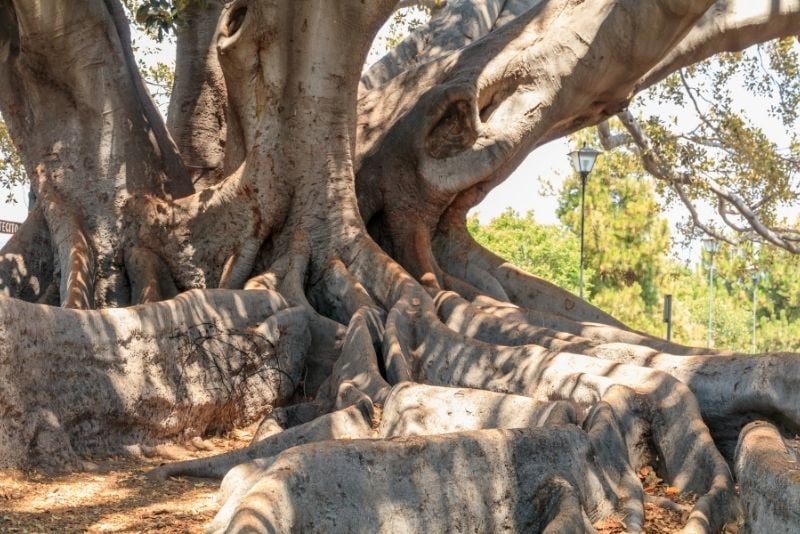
<point>117,497</point>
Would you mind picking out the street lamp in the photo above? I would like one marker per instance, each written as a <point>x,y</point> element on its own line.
<point>583,161</point>
<point>757,275</point>
<point>711,246</point>
<point>754,278</point>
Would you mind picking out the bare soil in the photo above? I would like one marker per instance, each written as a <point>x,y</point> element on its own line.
<point>115,496</point>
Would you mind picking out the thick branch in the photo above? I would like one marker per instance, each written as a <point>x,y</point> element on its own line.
<point>729,26</point>
<point>460,23</point>
<point>197,107</point>
<point>655,164</point>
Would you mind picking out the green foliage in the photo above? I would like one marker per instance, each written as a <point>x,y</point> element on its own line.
<point>629,269</point>
<point>625,239</point>
<point>12,172</point>
<point>160,78</point>
<point>161,17</point>
<point>723,142</point>
<point>403,22</point>
<point>547,251</point>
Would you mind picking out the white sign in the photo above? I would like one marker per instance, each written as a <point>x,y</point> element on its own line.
<point>8,227</point>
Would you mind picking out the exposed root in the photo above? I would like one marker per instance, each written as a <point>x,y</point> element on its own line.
<point>240,264</point>
<point>509,364</point>
<point>709,377</point>
<point>346,292</point>
<point>641,411</point>
<point>654,409</point>
<point>356,374</point>
<point>422,410</point>
<point>97,382</point>
<point>769,479</point>
<point>349,423</point>
<point>223,229</point>
<point>150,278</point>
<point>287,417</point>
<point>484,480</point>
<point>71,247</point>
<point>462,257</point>
<point>26,261</point>
<point>288,275</point>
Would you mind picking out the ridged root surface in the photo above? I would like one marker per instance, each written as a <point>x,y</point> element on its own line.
<point>75,383</point>
<point>422,372</point>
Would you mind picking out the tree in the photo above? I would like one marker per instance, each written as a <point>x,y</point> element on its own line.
<point>626,240</point>
<point>548,252</point>
<point>297,231</point>
<point>11,171</point>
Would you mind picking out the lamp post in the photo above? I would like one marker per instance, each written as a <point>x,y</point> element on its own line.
<point>583,161</point>
<point>712,247</point>
<point>757,275</point>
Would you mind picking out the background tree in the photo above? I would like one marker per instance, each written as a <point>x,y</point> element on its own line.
<point>551,251</point>
<point>544,250</point>
<point>722,159</point>
<point>297,230</point>
<point>11,171</point>
<point>626,239</point>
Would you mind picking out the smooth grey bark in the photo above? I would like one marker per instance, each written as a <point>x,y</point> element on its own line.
<point>197,115</point>
<point>88,133</point>
<point>95,383</point>
<point>767,468</point>
<point>496,480</point>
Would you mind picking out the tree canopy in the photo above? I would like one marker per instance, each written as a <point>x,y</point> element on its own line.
<point>291,245</point>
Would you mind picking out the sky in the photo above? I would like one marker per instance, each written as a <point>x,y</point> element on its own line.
<point>522,191</point>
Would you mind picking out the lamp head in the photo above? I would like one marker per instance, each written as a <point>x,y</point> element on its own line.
<point>711,245</point>
<point>584,158</point>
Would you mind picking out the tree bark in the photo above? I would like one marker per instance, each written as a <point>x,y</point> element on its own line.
<point>197,115</point>
<point>344,197</point>
<point>107,382</point>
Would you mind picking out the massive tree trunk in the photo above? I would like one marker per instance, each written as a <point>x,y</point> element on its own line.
<point>338,202</point>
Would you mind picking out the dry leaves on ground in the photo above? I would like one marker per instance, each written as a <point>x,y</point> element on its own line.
<point>115,497</point>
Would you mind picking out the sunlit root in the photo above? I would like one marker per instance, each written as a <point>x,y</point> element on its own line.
<point>652,407</point>
<point>354,385</point>
<point>420,410</point>
<point>71,247</point>
<point>356,373</point>
<point>729,388</point>
<point>285,417</point>
<point>768,473</point>
<point>489,480</point>
<point>96,382</point>
<point>462,257</point>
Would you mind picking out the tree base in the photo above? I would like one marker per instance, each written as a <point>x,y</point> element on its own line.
<point>769,480</point>
<point>75,383</point>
